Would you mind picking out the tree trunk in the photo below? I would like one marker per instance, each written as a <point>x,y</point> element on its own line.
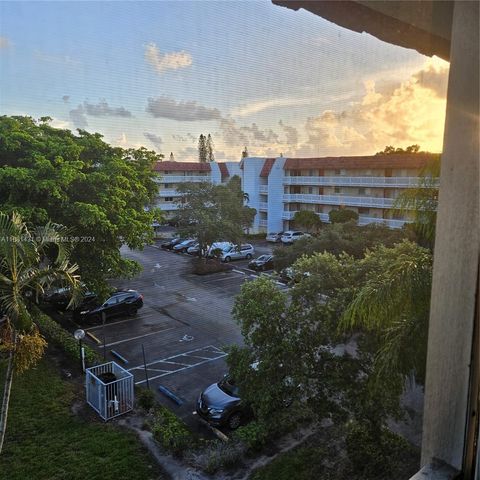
<point>6,395</point>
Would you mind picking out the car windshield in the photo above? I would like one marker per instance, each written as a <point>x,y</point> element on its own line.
<point>228,386</point>
<point>262,258</point>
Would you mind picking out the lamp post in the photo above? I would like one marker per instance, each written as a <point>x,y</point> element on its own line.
<point>80,335</point>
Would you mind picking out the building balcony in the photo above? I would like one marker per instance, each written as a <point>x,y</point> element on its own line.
<point>168,193</point>
<point>388,182</point>
<point>263,223</point>
<point>263,189</point>
<point>168,206</point>
<point>263,206</point>
<point>362,220</point>
<point>182,178</point>
<point>379,202</point>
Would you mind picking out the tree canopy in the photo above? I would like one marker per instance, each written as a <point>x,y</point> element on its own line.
<point>342,215</point>
<point>307,220</point>
<point>97,191</point>
<point>390,150</point>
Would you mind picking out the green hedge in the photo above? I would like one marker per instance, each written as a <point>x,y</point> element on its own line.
<point>60,337</point>
<point>171,432</point>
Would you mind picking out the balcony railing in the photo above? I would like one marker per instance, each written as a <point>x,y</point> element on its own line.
<point>355,181</point>
<point>182,178</point>
<point>263,206</point>
<point>263,223</point>
<point>263,188</point>
<point>340,200</point>
<point>362,220</point>
<point>167,206</point>
<point>168,193</point>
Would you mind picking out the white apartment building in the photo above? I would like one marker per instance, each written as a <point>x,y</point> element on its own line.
<point>369,185</point>
<point>171,174</point>
<point>279,187</point>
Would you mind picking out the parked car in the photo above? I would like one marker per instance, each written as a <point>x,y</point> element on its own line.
<point>59,297</point>
<point>193,249</point>
<point>289,275</point>
<point>245,250</point>
<point>169,244</point>
<point>121,302</point>
<point>264,262</point>
<point>183,246</point>
<point>220,404</point>
<point>274,237</point>
<point>219,248</point>
<point>292,236</point>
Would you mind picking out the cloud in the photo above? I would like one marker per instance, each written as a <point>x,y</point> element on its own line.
<point>79,114</point>
<point>156,140</point>
<point>66,98</point>
<point>261,105</point>
<point>189,111</point>
<point>411,112</point>
<point>5,43</point>
<point>291,133</point>
<point>166,61</point>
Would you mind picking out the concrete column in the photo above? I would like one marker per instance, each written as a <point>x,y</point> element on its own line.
<point>456,258</point>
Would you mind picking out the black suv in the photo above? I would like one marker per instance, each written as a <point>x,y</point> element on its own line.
<point>220,404</point>
<point>121,302</point>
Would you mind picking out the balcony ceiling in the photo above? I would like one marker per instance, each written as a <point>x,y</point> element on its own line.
<point>423,25</point>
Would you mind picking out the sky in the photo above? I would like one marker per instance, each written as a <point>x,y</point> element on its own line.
<point>250,73</point>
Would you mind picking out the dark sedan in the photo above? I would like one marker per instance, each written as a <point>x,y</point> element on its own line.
<point>121,302</point>
<point>60,297</point>
<point>264,262</point>
<point>168,245</point>
<point>220,404</point>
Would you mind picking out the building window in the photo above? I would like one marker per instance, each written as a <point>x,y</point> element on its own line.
<point>337,171</point>
<point>169,199</point>
<point>336,189</point>
<point>363,211</point>
<point>361,191</point>
<point>310,190</point>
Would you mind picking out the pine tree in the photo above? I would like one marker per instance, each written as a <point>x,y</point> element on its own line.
<point>209,146</point>
<point>202,148</point>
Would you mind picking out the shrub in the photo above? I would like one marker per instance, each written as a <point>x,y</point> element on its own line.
<point>202,266</point>
<point>218,455</point>
<point>57,335</point>
<point>342,215</point>
<point>254,435</point>
<point>146,399</point>
<point>171,432</point>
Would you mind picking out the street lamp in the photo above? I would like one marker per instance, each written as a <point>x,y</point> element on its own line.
<point>80,335</point>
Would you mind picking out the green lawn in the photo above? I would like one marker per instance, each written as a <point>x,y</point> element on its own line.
<point>46,441</point>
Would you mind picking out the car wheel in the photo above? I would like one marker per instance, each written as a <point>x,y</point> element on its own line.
<point>227,259</point>
<point>249,256</point>
<point>234,421</point>
<point>132,311</point>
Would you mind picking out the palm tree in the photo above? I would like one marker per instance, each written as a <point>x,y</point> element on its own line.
<point>393,304</point>
<point>29,262</point>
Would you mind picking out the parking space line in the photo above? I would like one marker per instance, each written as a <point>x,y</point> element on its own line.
<point>174,363</point>
<point>238,271</point>
<point>96,327</point>
<point>196,356</point>
<point>137,337</point>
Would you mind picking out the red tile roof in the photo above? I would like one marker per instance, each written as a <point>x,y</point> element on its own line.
<point>223,169</point>
<point>267,167</point>
<point>182,167</point>
<point>417,160</point>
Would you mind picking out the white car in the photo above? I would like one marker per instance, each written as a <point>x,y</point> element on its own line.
<point>236,253</point>
<point>292,236</point>
<point>274,237</point>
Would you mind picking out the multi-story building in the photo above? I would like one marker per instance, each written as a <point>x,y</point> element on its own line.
<point>171,174</point>
<point>279,187</point>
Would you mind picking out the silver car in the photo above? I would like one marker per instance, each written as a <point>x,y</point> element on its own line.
<point>236,253</point>
<point>274,237</point>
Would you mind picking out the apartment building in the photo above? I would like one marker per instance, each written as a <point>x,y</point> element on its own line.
<point>171,174</point>
<point>369,185</point>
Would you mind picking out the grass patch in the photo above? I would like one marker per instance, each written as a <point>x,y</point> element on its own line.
<point>45,440</point>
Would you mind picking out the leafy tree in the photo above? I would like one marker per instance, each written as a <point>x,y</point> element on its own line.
<point>422,202</point>
<point>202,149</point>
<point>98,191</point>
<point>342,215</point>
<point>30,260</point>
<point>209,146</point>
<point>307,219</point>
<point>389,150</point>
<point>212,213</point>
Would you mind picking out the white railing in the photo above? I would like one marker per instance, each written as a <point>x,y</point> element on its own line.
<point>263,188</point>
<point>168,193</point>
<point>340,200</point>
<point>355,181</point>
<point>324,217</point>
<point>167,206</point>
<point>263,206</point>
<point>183,178</point>
<point>263,223</point>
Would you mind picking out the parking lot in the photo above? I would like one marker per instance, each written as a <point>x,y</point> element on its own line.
<point>184,326</point>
